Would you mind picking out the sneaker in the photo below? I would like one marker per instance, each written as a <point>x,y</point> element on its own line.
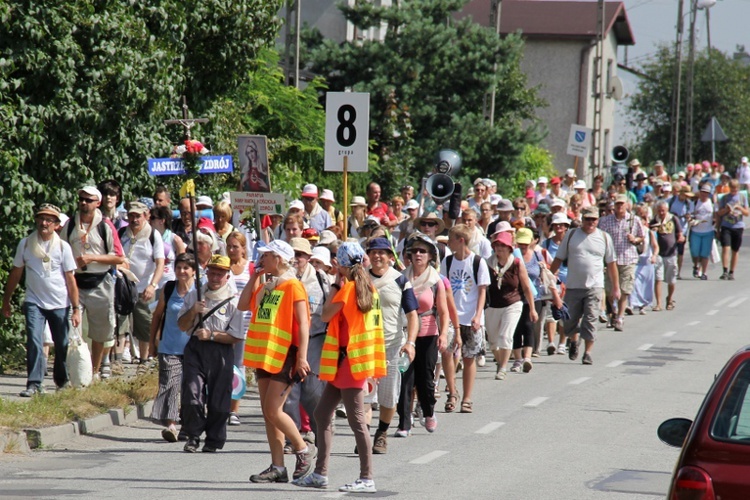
<point>380,443</point>
<point>208,449</point>
<point>314,480</point>
<point>31,390</point>
<point>730,277</point>
<point>642,311</point>
<point>270,475</point>
<point>341,411</point>
<point>696,273</point>
<point>618,325</point>
<point>573,351</point>
<point>309,437</point>
<point>629,311</point>
<point>516,368</point>
<point>234,419</point>
<point>500,375</point>
<point>527,366</point>
<point>182,436</point>
<point>430,423</point>
<point>126,358</point>
<point>360,486</point>
<point>288,449</point>
<point>105,370</point>
<point>401,433</point>
<point>169,435</point>
<point>551,349</point>
<point>704,277</point>
<point>724,275</point>
<point>562,349</point>
<point>419,414</point>
<point>305,462</point>
<point>587,359</point>
<point>481,361</point>
<point>611,321</point>
<point>602,318</point>
<point>192,445</point>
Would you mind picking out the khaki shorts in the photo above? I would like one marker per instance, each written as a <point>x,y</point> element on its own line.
<point>141,321</point>
<point>99,310</point>
<point>627,279</point>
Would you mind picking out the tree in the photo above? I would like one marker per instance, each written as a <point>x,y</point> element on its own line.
<point>431,76</point>
<point>85,86</point>
<point>721,89</point>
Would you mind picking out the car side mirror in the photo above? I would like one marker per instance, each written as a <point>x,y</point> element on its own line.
<point>674,431</point>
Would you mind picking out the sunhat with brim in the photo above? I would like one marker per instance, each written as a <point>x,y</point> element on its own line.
<point>322,254</point>
<point>524,236</point>
<point>431,217</point>
<point>48,209</point>
<point>503,238</point>
<point>419,237</point>
<point>327,237</point>
<point>301,245</point>
<point>220,262</point>
<point>560,218</point>
<point>280,248</point>
<point>379,244</point>
<point>358,201</point>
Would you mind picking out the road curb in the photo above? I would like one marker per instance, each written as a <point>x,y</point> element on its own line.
<point>31,439</point>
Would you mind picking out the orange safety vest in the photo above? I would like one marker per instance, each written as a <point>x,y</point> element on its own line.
<point>366,349</point>
<point>273,327</point>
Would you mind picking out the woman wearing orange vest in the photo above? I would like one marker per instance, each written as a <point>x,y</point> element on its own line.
<point>276,347</point>
<point>354,350</point>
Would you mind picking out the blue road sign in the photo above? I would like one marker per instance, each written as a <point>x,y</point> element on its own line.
<point>174,166</point>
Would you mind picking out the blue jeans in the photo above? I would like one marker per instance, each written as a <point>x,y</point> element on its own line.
<point>36,365</point>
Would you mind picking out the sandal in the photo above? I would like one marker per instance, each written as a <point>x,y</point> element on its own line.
<point>450,404</point>
<point>671,305</point>
<point>656,309</point>
<point>467,406</point>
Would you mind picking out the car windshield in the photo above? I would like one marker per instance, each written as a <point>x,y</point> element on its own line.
<point>732,421</point>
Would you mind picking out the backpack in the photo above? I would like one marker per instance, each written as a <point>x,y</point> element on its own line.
<point>126,294</point>
<point>474,264</point>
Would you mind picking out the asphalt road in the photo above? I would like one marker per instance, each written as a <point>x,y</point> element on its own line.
<point>563,431</point>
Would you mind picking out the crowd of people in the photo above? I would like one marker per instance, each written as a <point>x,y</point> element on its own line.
<point>341,317</point>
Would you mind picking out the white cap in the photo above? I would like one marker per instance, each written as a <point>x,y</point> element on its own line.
<point>558,202</point>
<point>327,237</point>
<point>560,218</point>
<point>310,190</point>
<point>91,191</point>
<point>358,201</point>
<point>542,180</point>
<point>489,182</point>
<point>503,226</point>
<point>412,204</point>
<point>204,200</point>
<point>327,194</point>
<point>280,248</point>
<point>296,204</point>
<point>570,173</point>
<point>322,254</point>
<point>481,181</point>
<point>580,184</point>
<point>667,186</point>
<point>744,159</point>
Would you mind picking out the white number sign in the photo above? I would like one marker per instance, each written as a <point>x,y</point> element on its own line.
<point>347,131</point>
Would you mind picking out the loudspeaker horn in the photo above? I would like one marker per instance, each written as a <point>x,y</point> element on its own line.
<point>620,154</point>
<point>440,187</point>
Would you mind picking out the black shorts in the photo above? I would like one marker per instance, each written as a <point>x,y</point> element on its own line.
<point>287,371</point>
<point>731,237</point>
<point>681,248</point>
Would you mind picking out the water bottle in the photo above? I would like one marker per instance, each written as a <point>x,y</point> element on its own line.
<point>403,362</point>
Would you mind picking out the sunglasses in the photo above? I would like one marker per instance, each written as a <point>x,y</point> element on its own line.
<point>519,208</point>
<point>87,200</point>
<point>428,224</point>
<point>590,219</point>
<point>300,254</point>
<point>156,218</point>
<point>419,250</point>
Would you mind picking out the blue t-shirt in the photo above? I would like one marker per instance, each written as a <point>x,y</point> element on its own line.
<point>641,192</point>
<point>173,340</point>
<point>734,219</point>
<point>551,247</point>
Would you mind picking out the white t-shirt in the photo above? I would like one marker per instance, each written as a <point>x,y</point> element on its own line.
<point>704,212</point>
<point>46,288</point>
<point>142,256</point>
<point>465,289</point>
<point>586,254</point>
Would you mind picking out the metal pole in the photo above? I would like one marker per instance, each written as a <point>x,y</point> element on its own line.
<point>496,4</point>
<point>690,88</point>
<point>296,44</point>
<point>674,143</point>
<point>713,138</point>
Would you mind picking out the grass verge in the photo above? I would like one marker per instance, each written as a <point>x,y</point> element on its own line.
<point>65,406</point>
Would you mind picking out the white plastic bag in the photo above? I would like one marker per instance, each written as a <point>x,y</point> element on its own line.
<point>80,371</point>
<point>715,255</point>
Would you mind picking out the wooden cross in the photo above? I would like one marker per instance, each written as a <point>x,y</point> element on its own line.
<point>186,122</point>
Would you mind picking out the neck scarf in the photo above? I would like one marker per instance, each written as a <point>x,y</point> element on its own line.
<point>500,270</point>
<point>218,295</point>
<point>79,238</point>
<point>37,248</point>
<point>427,279</point>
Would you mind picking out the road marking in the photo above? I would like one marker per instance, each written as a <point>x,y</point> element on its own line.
<point>535,402</point>
<point>669,334</point>
<point>738,302</point>
<point>492,426</point>
<point>693,323</point>
<point>645,347</point>
<point>615,363</point>
<point>712,312</point>
<point>579,381</point>
<point>725,300</point>
<point>425,459</point>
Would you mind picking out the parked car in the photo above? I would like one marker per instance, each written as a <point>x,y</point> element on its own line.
<point>715,460</point>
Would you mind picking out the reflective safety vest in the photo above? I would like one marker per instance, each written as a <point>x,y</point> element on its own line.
<point>366,350</point>
<point>273,327</point>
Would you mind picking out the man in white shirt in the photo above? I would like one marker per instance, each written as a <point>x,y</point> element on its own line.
<point>469,277</point>
<point>50,290</point>
<point>743,174</point>
<point>144,251</point>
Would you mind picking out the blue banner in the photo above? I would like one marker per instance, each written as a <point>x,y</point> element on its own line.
<point>173,166</point>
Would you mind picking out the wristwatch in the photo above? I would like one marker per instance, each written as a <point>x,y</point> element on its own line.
<point>154,284</point>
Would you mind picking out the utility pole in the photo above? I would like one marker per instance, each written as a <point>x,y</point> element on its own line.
<point>291,69</point>
<point>495,20</point>
<point>690,87</point>
<point>597,158</point>
<point>674,142</point>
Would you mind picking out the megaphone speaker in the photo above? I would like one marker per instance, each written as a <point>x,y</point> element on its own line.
<point>439,187</point>
<point>620,154</point>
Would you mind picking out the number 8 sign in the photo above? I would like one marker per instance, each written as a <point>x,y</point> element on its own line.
<point>347,131</point>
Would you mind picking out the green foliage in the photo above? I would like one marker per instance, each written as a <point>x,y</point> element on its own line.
<point>721,89</point>
<point>440,72</point>
<point>533,162</point>
<point>85,87</point>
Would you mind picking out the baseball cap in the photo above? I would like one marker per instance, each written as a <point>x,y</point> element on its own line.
<point>412,204</point>
<point>706,188</point>
<point>311,233</point>
<point>556,180</point>
<point>205,201</point>
<point>560,218</point>
<point>658,163</point>
<point>280,248</point>
<point>220,262</point>
<point>524,236</point>
<point>558,202</point>
<point>667,186</point>
<point>542,180</point>
<point>296,204</point>
<point>91,191</point>
<point>621,198</point>
<point>48,209</point>
<point>570,173</point>
<point>136,207</point>
<point>590,212</point>
<point>379,244</point>
<point>309,191</point>
<point>635,163</point>
<point>743,159</point>
<point>327,194</point>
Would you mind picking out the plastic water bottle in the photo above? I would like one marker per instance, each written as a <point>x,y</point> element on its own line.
<point>403,362</point>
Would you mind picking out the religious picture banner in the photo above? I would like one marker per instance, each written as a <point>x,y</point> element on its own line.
<point>253,155</point>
